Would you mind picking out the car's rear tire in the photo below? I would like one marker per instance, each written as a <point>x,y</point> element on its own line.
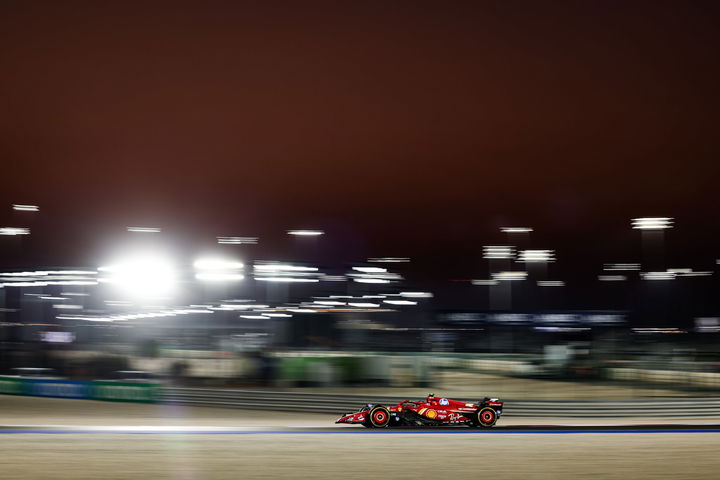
<point>378,417</point>
<point>486,417</point>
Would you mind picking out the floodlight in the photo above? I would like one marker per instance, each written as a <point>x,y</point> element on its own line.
<point>621,266</point>
<point>516,229</point>
<point>612,278</point>
<point>143,277</point>
<point>509,276</point>
<point>370,269</point>
<point>237,240</point>
<point>14,231</point>
<point>498,252</point>
<point>658,275</point>
<point>306,233</point>
<point>652,223</point>
<point>536,256</point>
<point>219,276</point>
<point>389,260</point>
<point>26,208</point>
<point>287,279</point>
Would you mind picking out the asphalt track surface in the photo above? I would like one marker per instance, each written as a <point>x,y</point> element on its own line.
<point>359,455</point>
<point>55,439</point>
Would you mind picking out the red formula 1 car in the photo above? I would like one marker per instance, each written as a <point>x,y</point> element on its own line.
<point>432,411</point>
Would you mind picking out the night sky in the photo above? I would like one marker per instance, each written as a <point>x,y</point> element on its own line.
<point>401,128</point>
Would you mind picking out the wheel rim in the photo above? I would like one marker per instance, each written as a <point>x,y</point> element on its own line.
<point>487,417</point>
<point>379,417</point>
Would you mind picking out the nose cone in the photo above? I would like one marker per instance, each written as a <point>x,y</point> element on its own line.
<point>345,419</point>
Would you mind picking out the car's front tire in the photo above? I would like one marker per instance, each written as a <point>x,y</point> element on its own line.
<point>378,417</point>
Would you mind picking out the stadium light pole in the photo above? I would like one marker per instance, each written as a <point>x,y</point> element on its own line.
<point>656,280</point>
<point>518,236</point>
<point>653,240</point>
<point>499,259</point>
<point>536,262</point>
<point>218,276</point>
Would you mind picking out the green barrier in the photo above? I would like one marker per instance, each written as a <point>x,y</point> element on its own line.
<point>125,392</point>
<point>110,391</point>
<point>13,386</point>
<point>292,368</point>
<point>298,370</point>
<point>350,368</point>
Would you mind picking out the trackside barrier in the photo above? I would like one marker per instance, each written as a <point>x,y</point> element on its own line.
<point>57,388</point>
<point>12,386</point>
<point>124,392</point>
<point>97,390</point>
<point>337,404</point>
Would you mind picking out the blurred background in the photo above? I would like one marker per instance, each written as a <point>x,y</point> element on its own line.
<point>152,317</point>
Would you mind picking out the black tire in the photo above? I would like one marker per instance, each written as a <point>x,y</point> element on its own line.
<point>378,417</point>
<point>486,417</point>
